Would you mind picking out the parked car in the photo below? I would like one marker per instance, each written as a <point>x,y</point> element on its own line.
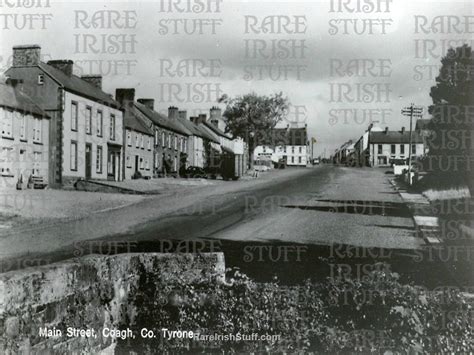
<point>195,172</point>
<point>261,168</point>
<point>316,161</point>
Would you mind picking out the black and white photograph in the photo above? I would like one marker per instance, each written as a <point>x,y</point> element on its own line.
<point>236,177</point>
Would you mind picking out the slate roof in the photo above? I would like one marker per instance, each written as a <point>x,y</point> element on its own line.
<point>394,137</point>
<point>77,85</point>
<point>135,120</point>
<point>208,134</point>
<point>216,130</point>
<point>163,121</point>
<point>13,98</point>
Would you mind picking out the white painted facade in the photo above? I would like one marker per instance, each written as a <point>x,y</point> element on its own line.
<point>82,137</point>
<point>24,147</point>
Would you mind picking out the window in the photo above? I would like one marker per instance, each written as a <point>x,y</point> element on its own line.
<point>402,149</point>
<point>301,150</point>
<point>292,159</point>
<point>73,155</point>
<point>112,127</point>
<point>141,163</point>
<point>163,144</point>
<point>413,149</point>
<point>128,162</point>
<point>284,149</point>
<point>40,79</point>
<point>88,120</point>
<point>7,123</point>
<point>74,114</point>
<point>129,138</point>
<point>392,149</point>
<point>142,143</point>
<point>156,137</point>
<point>379,149</point>
<point>299,159</point>
<point>37,131</point>
<point>100,123</point>
<point>169,140</point>
<point>23,127</point>
<point>99,160</point>
<point>149,143</point>
<point>146,165</point>
<point>175,143</point>
<point>293,150</point>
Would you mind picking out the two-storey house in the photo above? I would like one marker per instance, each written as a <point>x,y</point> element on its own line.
<point>86,126</point>
<point>24,138</point>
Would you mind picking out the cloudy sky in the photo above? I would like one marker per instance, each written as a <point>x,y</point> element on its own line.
<point>410,54</point>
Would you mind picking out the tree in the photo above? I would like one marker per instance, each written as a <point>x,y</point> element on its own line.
<point>252,117</point>
<point>449,161</point>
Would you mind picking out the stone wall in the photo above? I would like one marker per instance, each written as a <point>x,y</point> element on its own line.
<point>85,293</point>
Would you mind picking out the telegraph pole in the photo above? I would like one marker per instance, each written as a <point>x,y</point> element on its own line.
<point>412,111</point>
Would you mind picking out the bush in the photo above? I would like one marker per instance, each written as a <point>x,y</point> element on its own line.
<point>373,314</point>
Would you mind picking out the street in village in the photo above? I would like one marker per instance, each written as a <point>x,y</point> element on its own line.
<point>322,205</point>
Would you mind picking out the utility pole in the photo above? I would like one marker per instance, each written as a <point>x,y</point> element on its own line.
<point>412,111</point>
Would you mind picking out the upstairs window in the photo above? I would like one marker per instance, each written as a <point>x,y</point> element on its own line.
<point>413,149</point>
<point>74,114</point>
<point>88,120</point>
<point>7,123</point>
<point>402,148</point>
<point>37,130</point>
<point>100,123</point>
<point>393,149</point>
<point>129,138</point>
<point>149,143</point>
<point>379,149</point>
<point>163,143</point>
<point>23,128</point>
<point>112,127</point>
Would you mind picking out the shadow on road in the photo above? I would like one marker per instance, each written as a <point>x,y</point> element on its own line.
<point>380,208</point>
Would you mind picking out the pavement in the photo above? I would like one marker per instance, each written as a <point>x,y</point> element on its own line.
<point>321,206</point>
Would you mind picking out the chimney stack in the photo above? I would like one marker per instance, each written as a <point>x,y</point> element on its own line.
<point>150,103</point>
<point>202,118</point>
<point>215,115</point>
<point>183,114</point>
<point>403,130</point>
<point>95,80</point>
<point>386,130</point>
<point>65,65</point>
<point>26,56</point>
<point>173,112</point>
<point>125,97</point>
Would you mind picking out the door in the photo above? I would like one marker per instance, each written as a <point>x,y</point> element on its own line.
<point>88,161</point>
<point>137,161</point>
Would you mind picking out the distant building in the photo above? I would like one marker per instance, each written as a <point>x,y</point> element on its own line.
<point>86,125</point>
<point>386,146</point>
<point>170,141</point>
<point>138,144</point>
<point>345,154</point>
<point>288,144</point>
<point>24,139</point>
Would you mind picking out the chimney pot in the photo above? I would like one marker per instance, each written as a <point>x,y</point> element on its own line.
<point>403,130</point>
<point>95,80</point>
<point>65,65</point>
<point>386,130</point>
<point>27,55</point>
<point>202,118</point>
<point>150,103</point>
